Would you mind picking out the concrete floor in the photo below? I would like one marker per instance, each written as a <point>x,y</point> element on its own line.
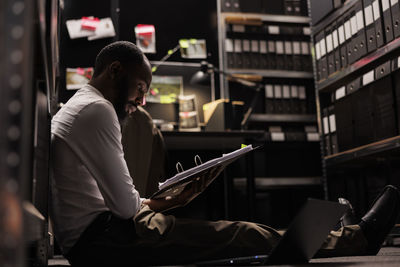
<point>387,257</point>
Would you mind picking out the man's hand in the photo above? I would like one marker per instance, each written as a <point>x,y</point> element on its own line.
<point>163,204</point>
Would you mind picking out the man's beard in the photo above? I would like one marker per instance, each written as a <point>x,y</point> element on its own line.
<point>121,100</point>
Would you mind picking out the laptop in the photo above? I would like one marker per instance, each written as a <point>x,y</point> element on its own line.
<point>301,241</point>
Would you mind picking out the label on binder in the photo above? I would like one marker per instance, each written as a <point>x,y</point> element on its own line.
<point>312,137</point>
<point>329,43</point>
<point>393,2</point>
<point>278,91</point>
<point>302,92</point>
<point>341,92</point>
<point>228,45</point>
<point>278,137</point>
<point>326,125</point>
<point>271,47</point>
<point>238,28</point>
<point>375,7</point>
<point>360,20</point>
<point>294,91</point>
<point>286,91</point>
<point>341,35</point>
<point>238,45</point>
<point>335,39</point>
<point>385,5</point>
<point>269,91</point>
<point>318,50</point>
<point>279,47</point>
<point>288,48</point>
<point>369,16</point>
<point>296,48</point>
<point>305,48</point>
<point>273,29</point>
<point>353,23</point>
<point>332,123</point>
<point>254,46</point>
<point>347,30</point>
<point>246,46</point>
<point>263,47</point>
<point>307,31</point>
<point>323,47</point>
<point>368,77</point>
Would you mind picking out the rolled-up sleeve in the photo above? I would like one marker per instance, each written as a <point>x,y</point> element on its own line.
<point>98,142</point>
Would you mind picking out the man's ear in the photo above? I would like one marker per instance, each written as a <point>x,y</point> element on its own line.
<point>114,69</point>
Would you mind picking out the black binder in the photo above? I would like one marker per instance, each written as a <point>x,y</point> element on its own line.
<point>269,99</point>
<point>278,105</point>
<point>271,55</point>
<point>297,58</point>
<point>332,130</point>
<point>344,123</point>
<point>237,53</point>
<point>280,55</point>
<point>295,101</point>
<point>369,26</point>
<point>379,31</point>
<point>353,86</point>
<point>246,55</point>
<point>288,54</point>
<point>352,47</point>
<point>384,119</point>
<point>302,99</point>
<point>230,53</point>
<point>306,56</point>
<point>255,54</point>
<point>387,20</point>
<point>326,132</point>
<point>395,9</point>
<point>286,102</point>
<point>322,66</point>
<point>342,42</point>
<point>329,51</point>
<point>263,55</point>
<point>336,47</point>
<point>360,39</point>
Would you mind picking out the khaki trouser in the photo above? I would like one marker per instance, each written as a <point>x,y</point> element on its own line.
<point>154,239</point>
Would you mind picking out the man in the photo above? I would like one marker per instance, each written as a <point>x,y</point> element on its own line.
<point>99,217</point>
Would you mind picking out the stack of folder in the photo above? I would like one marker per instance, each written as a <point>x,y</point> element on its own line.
<point>286,99</point>
<point>364,27</point>
<point>287,7</point>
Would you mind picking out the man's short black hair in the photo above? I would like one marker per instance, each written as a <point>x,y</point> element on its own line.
<point>127,53</point>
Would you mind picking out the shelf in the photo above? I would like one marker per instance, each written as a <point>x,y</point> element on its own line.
<point>298,118</point>
<point>333,16</point>
<point>268,17</point>
<point>265,183</point>
<point>274,73</point>
<point>363,151</point>
<point>370,61</point>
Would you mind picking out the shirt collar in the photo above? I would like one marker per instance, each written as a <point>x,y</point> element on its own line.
<point>94,89</point>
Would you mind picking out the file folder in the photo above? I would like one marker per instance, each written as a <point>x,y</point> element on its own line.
<point>395,9</point>
<point>246,55</point>
<point>344,123</point>
<point>326,132</point>
<point>286,99</point>
<point>348,35</point>
<point>360,39</point>
<point>332,130</point>
<point>387,20</point>
<point>255,54</point>
<point>272,55</point>
<point>342,44</point>
<point>269,99</point>
<point>369,26</point>
<point>303,99</point>
<point>384,120</point>
<point>288,55</point>
<point>263,57</point>
<point>336,47</point>
<point>306,56</point>
<point>280,55</point>
<point>329,51</point>
<point>321,54</point>
<point>237,55</point>
<point>278,106</point>
<point>229,53</point>
<point>353,86</point>
<point>294,94</point>
<point>297,58</point>
<point>380,41</point>
<point>354,42</point>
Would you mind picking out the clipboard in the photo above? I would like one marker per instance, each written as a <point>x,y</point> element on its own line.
<point>200,176</point>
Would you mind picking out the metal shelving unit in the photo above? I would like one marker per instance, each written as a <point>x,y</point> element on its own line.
<point>273,73</point>
<point>285,118</point>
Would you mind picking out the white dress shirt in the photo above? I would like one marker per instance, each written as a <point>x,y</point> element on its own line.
<point>89,172</point>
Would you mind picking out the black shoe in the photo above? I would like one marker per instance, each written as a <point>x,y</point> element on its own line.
<point>380,219</point>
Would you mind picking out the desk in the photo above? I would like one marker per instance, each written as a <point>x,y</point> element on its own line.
<point>225,141</point>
